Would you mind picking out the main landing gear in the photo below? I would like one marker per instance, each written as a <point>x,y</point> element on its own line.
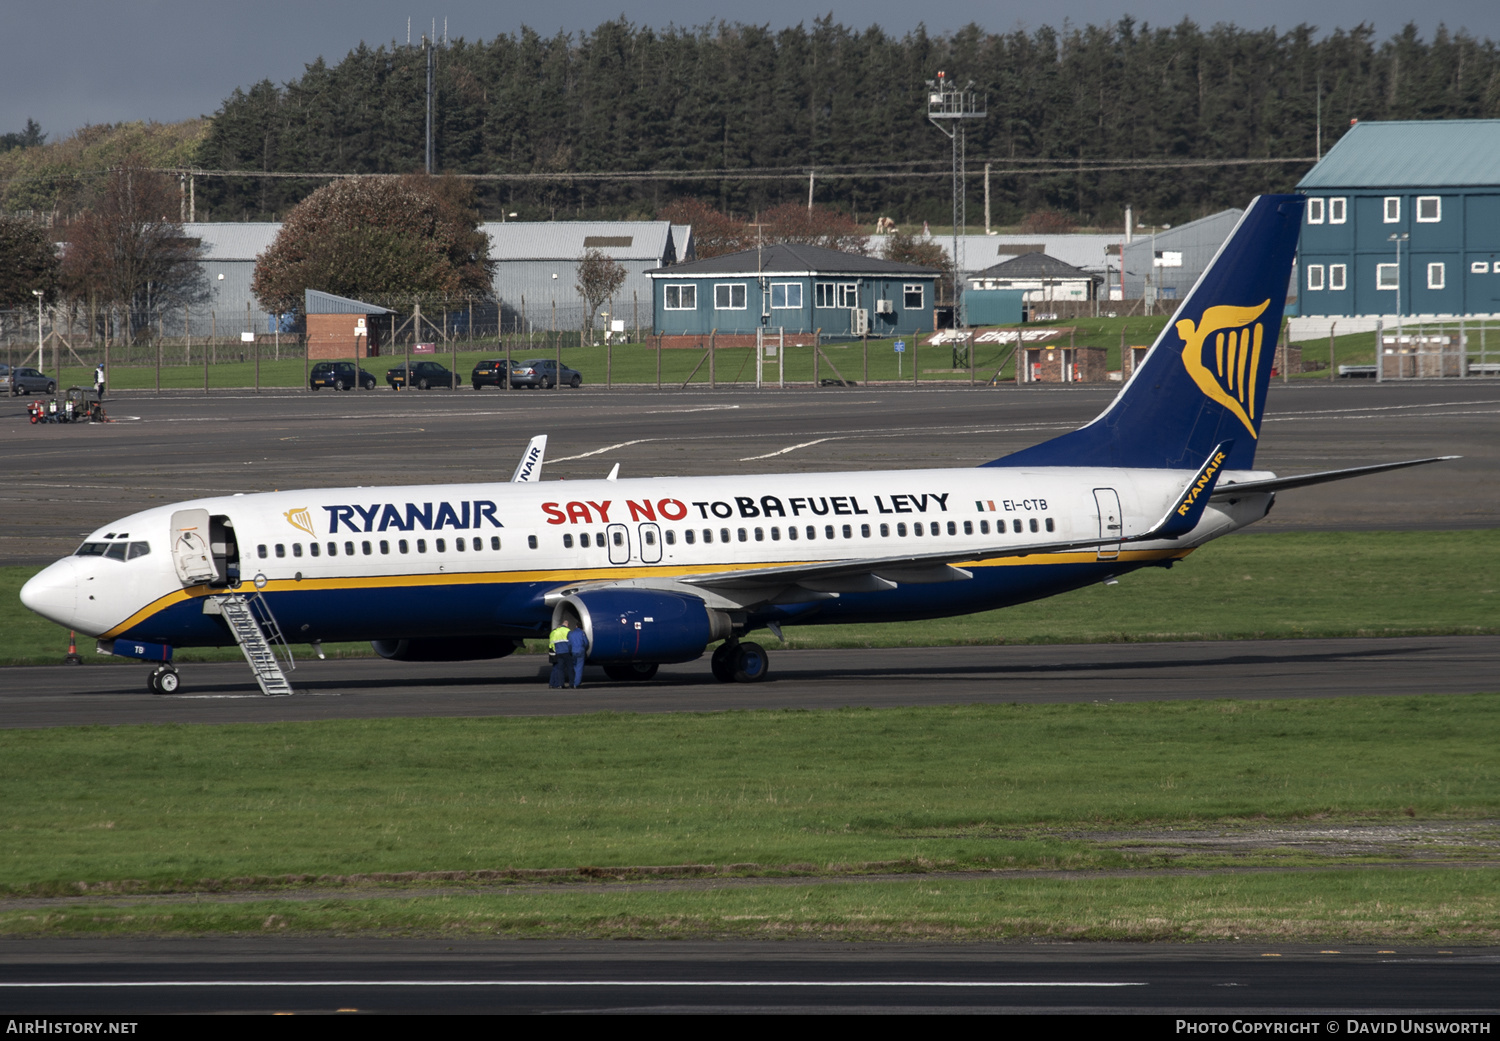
<point>164,680</point>
<point>740,661</point>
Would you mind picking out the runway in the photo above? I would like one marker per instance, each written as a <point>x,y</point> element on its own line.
<point>167,448</point>
<point>90,977</point>
<point>49,696</point>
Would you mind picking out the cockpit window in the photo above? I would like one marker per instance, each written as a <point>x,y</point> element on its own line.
<point>116,551</point>
<point>92,549</point>
<point>138,549</point>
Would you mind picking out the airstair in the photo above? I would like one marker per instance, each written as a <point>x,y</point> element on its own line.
<point>256,631</point>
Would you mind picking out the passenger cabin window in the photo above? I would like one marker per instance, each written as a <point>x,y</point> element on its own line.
<point>531,541</point>
<point>495,543</point>
<point>567,542</point>
<point>441,545</point>
<point>280,550</point>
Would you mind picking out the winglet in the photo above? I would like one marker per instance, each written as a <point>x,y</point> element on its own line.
<point>529,469</point>
<point>1187,509</point>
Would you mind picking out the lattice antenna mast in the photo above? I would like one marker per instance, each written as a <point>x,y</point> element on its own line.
<point>948,105</point>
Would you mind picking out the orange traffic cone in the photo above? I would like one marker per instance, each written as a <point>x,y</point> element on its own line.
<point>72,658</point>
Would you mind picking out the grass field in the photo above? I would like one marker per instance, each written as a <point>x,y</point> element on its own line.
<point>918,790</point>
<point>1395,906</point>
<point>968,787</point>
<point>636,363</point>
<point>1294,584</point>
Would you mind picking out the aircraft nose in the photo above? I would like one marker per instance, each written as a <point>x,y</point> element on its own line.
<point>53,592</point>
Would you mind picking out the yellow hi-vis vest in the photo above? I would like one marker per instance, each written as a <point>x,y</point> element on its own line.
<point>558,640</point>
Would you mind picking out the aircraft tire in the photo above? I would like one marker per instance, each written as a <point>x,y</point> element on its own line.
<point>751,663</point>
<point>163,680</point>
<point>722,663</point>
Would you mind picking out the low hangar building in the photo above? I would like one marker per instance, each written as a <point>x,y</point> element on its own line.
<point>793,289</point>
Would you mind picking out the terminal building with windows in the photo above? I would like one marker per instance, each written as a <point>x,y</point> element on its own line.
<point>794,291</point>
<point>1402,218</point>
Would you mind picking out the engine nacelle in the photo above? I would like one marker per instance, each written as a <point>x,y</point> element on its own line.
<point>646,625</point>
<point>446,648</point>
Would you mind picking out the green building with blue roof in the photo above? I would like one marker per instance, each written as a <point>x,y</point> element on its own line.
<point>1403,217</point>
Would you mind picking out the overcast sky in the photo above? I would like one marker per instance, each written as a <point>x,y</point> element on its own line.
<point>68,63</point>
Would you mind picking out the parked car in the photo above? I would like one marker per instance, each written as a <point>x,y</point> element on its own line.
<point>340,375</point>
<point>488,373</point>
<point>544,373</point>
<point>424,375</point>
<point>30,381</point>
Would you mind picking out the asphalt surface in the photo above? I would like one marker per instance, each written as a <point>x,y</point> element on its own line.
<point>65,480</point>
<point>47,696</point>
<point>90,977</point>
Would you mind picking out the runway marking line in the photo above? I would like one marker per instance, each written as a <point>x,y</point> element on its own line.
<point>564,983</point>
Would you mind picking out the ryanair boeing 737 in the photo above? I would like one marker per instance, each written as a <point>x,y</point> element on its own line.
<point>657,570</point>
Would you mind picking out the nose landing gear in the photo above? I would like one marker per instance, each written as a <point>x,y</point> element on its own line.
<point>163,680</point>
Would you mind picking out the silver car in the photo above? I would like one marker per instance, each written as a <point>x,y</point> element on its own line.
<point>27,381</point>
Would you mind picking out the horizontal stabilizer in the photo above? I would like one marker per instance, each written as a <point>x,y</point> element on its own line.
<point>1276,484</point>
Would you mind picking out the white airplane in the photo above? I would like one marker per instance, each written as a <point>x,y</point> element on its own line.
<point>657,570</point>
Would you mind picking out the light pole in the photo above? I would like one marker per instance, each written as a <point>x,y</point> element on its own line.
<point>38,293</point>
<point>1398,238</point>
<point>947,103</point>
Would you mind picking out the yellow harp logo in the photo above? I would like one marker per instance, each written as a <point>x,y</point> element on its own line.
<point>299,518</point>
<point>1235,348</point>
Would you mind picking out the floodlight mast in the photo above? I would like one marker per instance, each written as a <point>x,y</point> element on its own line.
<point>947,106</point>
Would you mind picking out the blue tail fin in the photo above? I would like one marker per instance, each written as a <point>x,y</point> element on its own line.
<point>1204,380</point>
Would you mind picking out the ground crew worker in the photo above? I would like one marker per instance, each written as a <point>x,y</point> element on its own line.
<point>578,644</point>
<point>562,656</point>
<point>99,382</point>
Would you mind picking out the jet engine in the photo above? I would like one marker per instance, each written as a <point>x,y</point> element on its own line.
<point>446,648</point>
<point>643,625</point>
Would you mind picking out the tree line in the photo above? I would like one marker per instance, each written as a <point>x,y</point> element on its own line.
<point>750,98</point>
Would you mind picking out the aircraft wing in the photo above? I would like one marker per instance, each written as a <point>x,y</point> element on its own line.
<point>1276,484</point>
<point>529,469</point>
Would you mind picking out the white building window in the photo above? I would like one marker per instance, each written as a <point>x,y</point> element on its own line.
<point>729,296</point>
<point>682,297</point>
<point>1337,275</point>
<point>786,296</point>
<point>1392,209</point>
<point>837,294</point>
<point>1386,276</point>
<point>1479,267</point>
<point>1315,276</point>
<point>1429,209</point>
<point>1436,276</point>
<point>912,296</point>
<point>1338,210</point>
<point>1315,211</point>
